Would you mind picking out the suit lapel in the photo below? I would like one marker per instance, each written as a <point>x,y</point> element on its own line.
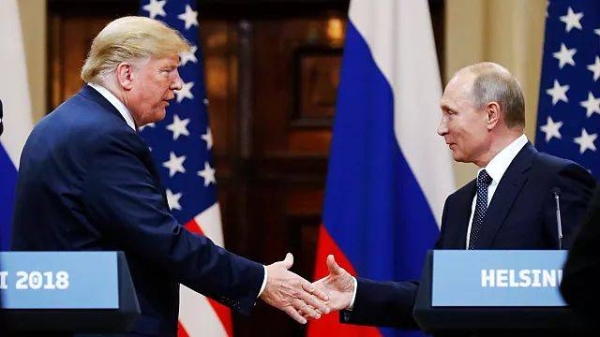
<point>461,212</point>
<point>506,193</point>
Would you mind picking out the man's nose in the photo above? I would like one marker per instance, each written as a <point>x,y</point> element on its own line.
<point>443,127</point>
<point>177,83</point>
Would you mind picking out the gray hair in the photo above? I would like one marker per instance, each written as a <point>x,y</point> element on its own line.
<point>494,83</point>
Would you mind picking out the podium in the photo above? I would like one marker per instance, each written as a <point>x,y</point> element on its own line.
<point>79,292</point>
<point>483,291</point>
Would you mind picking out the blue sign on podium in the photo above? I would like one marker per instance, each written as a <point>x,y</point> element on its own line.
<point>489,278</point>
<point>59,280</point>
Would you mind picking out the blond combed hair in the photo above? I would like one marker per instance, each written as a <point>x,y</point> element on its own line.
<point>130,38</point>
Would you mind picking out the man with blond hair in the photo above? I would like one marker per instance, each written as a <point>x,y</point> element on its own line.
<point>87,182</point>
<point>510,204</point>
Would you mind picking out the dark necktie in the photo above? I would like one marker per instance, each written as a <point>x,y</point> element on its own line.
<point>483,181</point>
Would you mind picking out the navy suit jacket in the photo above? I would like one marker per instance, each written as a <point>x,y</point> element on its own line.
<point>521,215</point>
<point>579,285</point>
<point>87,182</point>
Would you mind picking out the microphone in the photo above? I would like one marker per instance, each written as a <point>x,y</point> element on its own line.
<point>556,192</point>
<point>1,115</point>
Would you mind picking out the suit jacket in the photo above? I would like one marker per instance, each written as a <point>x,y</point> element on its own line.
<point>87,182</point>
<point>521,215</point>
<point>581,274</point>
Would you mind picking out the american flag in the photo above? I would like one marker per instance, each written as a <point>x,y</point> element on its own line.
<point>181,145</point>
<point>569,101</point>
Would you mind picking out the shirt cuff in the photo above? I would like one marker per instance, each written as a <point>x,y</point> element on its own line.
<point>351,306</point>
<point>264,283</point>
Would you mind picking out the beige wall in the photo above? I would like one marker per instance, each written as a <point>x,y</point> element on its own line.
<point>509,32</point>
<point>33,23</point>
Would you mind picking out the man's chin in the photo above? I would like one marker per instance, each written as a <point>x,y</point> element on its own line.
<point>458,157</point>
<point>157,116</point>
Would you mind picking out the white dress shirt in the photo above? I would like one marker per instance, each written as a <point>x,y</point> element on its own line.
<point>116,103</point>
<point>496,169</point>
<point>129,119</point>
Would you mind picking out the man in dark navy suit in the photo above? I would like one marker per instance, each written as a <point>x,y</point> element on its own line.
<point>580,285</point>
<point>87,182</point>
<point>510,205</point>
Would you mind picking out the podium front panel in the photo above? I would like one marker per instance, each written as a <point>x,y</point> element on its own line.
<point>59,280</point>
<point>497,278</point>
<point>467,316</point>
<point>67,292</point>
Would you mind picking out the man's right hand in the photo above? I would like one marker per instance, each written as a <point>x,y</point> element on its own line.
<point>339,285</point>
<point>291,293</point>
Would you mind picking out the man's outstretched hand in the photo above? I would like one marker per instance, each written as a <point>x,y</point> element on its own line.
<point>338,285</point>
<point>292,294</point>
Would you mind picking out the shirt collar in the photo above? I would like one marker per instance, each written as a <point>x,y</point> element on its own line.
<point>116,103</point>
<point>499,164</point>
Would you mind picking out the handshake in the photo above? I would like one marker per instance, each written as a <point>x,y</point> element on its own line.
<point>303,300</point>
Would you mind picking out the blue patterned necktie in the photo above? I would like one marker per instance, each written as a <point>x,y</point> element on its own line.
<point>483,181</point>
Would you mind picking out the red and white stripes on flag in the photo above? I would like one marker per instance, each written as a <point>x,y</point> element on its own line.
<point>192,306</point>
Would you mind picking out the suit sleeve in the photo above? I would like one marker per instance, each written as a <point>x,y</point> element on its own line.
<point>581,277</point>
<point>576,187</point>
<point>126,204</point>
<point>383,304</point>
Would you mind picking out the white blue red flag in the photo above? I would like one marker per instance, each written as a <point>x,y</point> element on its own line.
<point>181,145</point>
<point>389,172</point>
<point>14,94</point>
<point>569,100</point>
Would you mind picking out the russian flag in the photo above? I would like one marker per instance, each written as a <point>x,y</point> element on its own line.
<point>389,171</point>
<point>14,93</point>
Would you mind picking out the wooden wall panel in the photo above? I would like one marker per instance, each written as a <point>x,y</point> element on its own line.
<point>294,58</point>
<point>220,47</point>
<point>71,41</point>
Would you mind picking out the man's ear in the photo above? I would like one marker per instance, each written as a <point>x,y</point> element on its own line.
<point>125,75</point>
<point>492,109</point>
